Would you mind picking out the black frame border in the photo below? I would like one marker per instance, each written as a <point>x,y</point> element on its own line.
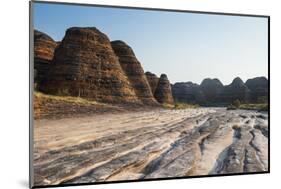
<point>31,63</point>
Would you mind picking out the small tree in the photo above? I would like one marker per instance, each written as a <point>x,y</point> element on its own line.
<point>236,103</point>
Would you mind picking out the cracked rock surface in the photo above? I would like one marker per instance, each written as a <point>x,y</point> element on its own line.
<point>150,144</point>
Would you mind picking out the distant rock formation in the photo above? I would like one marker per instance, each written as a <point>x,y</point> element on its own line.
<point>237,90</point>
<point>85,65</point>
<point>134,71</point>
<point>44,47</point>
<point>163,92</point>
<point>213,92</point>
<point>188,92</point>
<point>152,80</point>
<point>259,89</point>
<point>211,88</point>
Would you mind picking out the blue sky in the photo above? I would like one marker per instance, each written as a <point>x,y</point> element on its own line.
<point>185,46</point>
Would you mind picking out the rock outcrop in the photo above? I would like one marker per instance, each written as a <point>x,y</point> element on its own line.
<point>85,65</point>
<point>44,47</point>
<point>237,90</point>
<point>163,92</point>
<point>211,88</point>
<point>158,144</point>
<point>134,71</point>
<point>152,80</point>
<point>188,92</point>
<point>259,89</point>
<point>212,91</point>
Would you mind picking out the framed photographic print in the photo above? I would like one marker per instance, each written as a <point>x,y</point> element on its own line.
<point>122,94</point>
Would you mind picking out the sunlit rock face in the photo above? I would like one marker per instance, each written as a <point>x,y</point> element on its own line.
<point>134,71</point>
<point>44,47</point>
<point>85,65</point>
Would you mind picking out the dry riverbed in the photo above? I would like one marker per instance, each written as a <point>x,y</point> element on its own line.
<point>149,144</point>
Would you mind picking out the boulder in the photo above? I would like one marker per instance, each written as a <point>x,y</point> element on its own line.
<point>85,65</point>
<point>163,92</point>
<point>134,71</point>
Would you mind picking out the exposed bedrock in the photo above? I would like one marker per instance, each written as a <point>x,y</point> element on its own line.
<point>152,80</point>
<point>187,92</point>
<point>212,91</point>
<point>163,92</point>
<point>85,65</point>
<point>134,71</point>
<point>150,144</point>
<point>211,88</point>
<point>44,47</point>
<point>236,90</point>
<point>258,89</point>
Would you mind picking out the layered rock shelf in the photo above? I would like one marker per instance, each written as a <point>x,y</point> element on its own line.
<point>150,144</point>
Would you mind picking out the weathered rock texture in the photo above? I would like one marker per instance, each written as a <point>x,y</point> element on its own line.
<point>259,89</point>
<point>44,47</point>
<point>150,144</point>
<point>188,92</point>
<point>85,65</point>
<point>163,92</point>
<point>134,71</point>
<point>152,80</point>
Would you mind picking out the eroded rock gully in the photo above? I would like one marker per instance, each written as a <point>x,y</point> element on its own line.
<point>151,144</point>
